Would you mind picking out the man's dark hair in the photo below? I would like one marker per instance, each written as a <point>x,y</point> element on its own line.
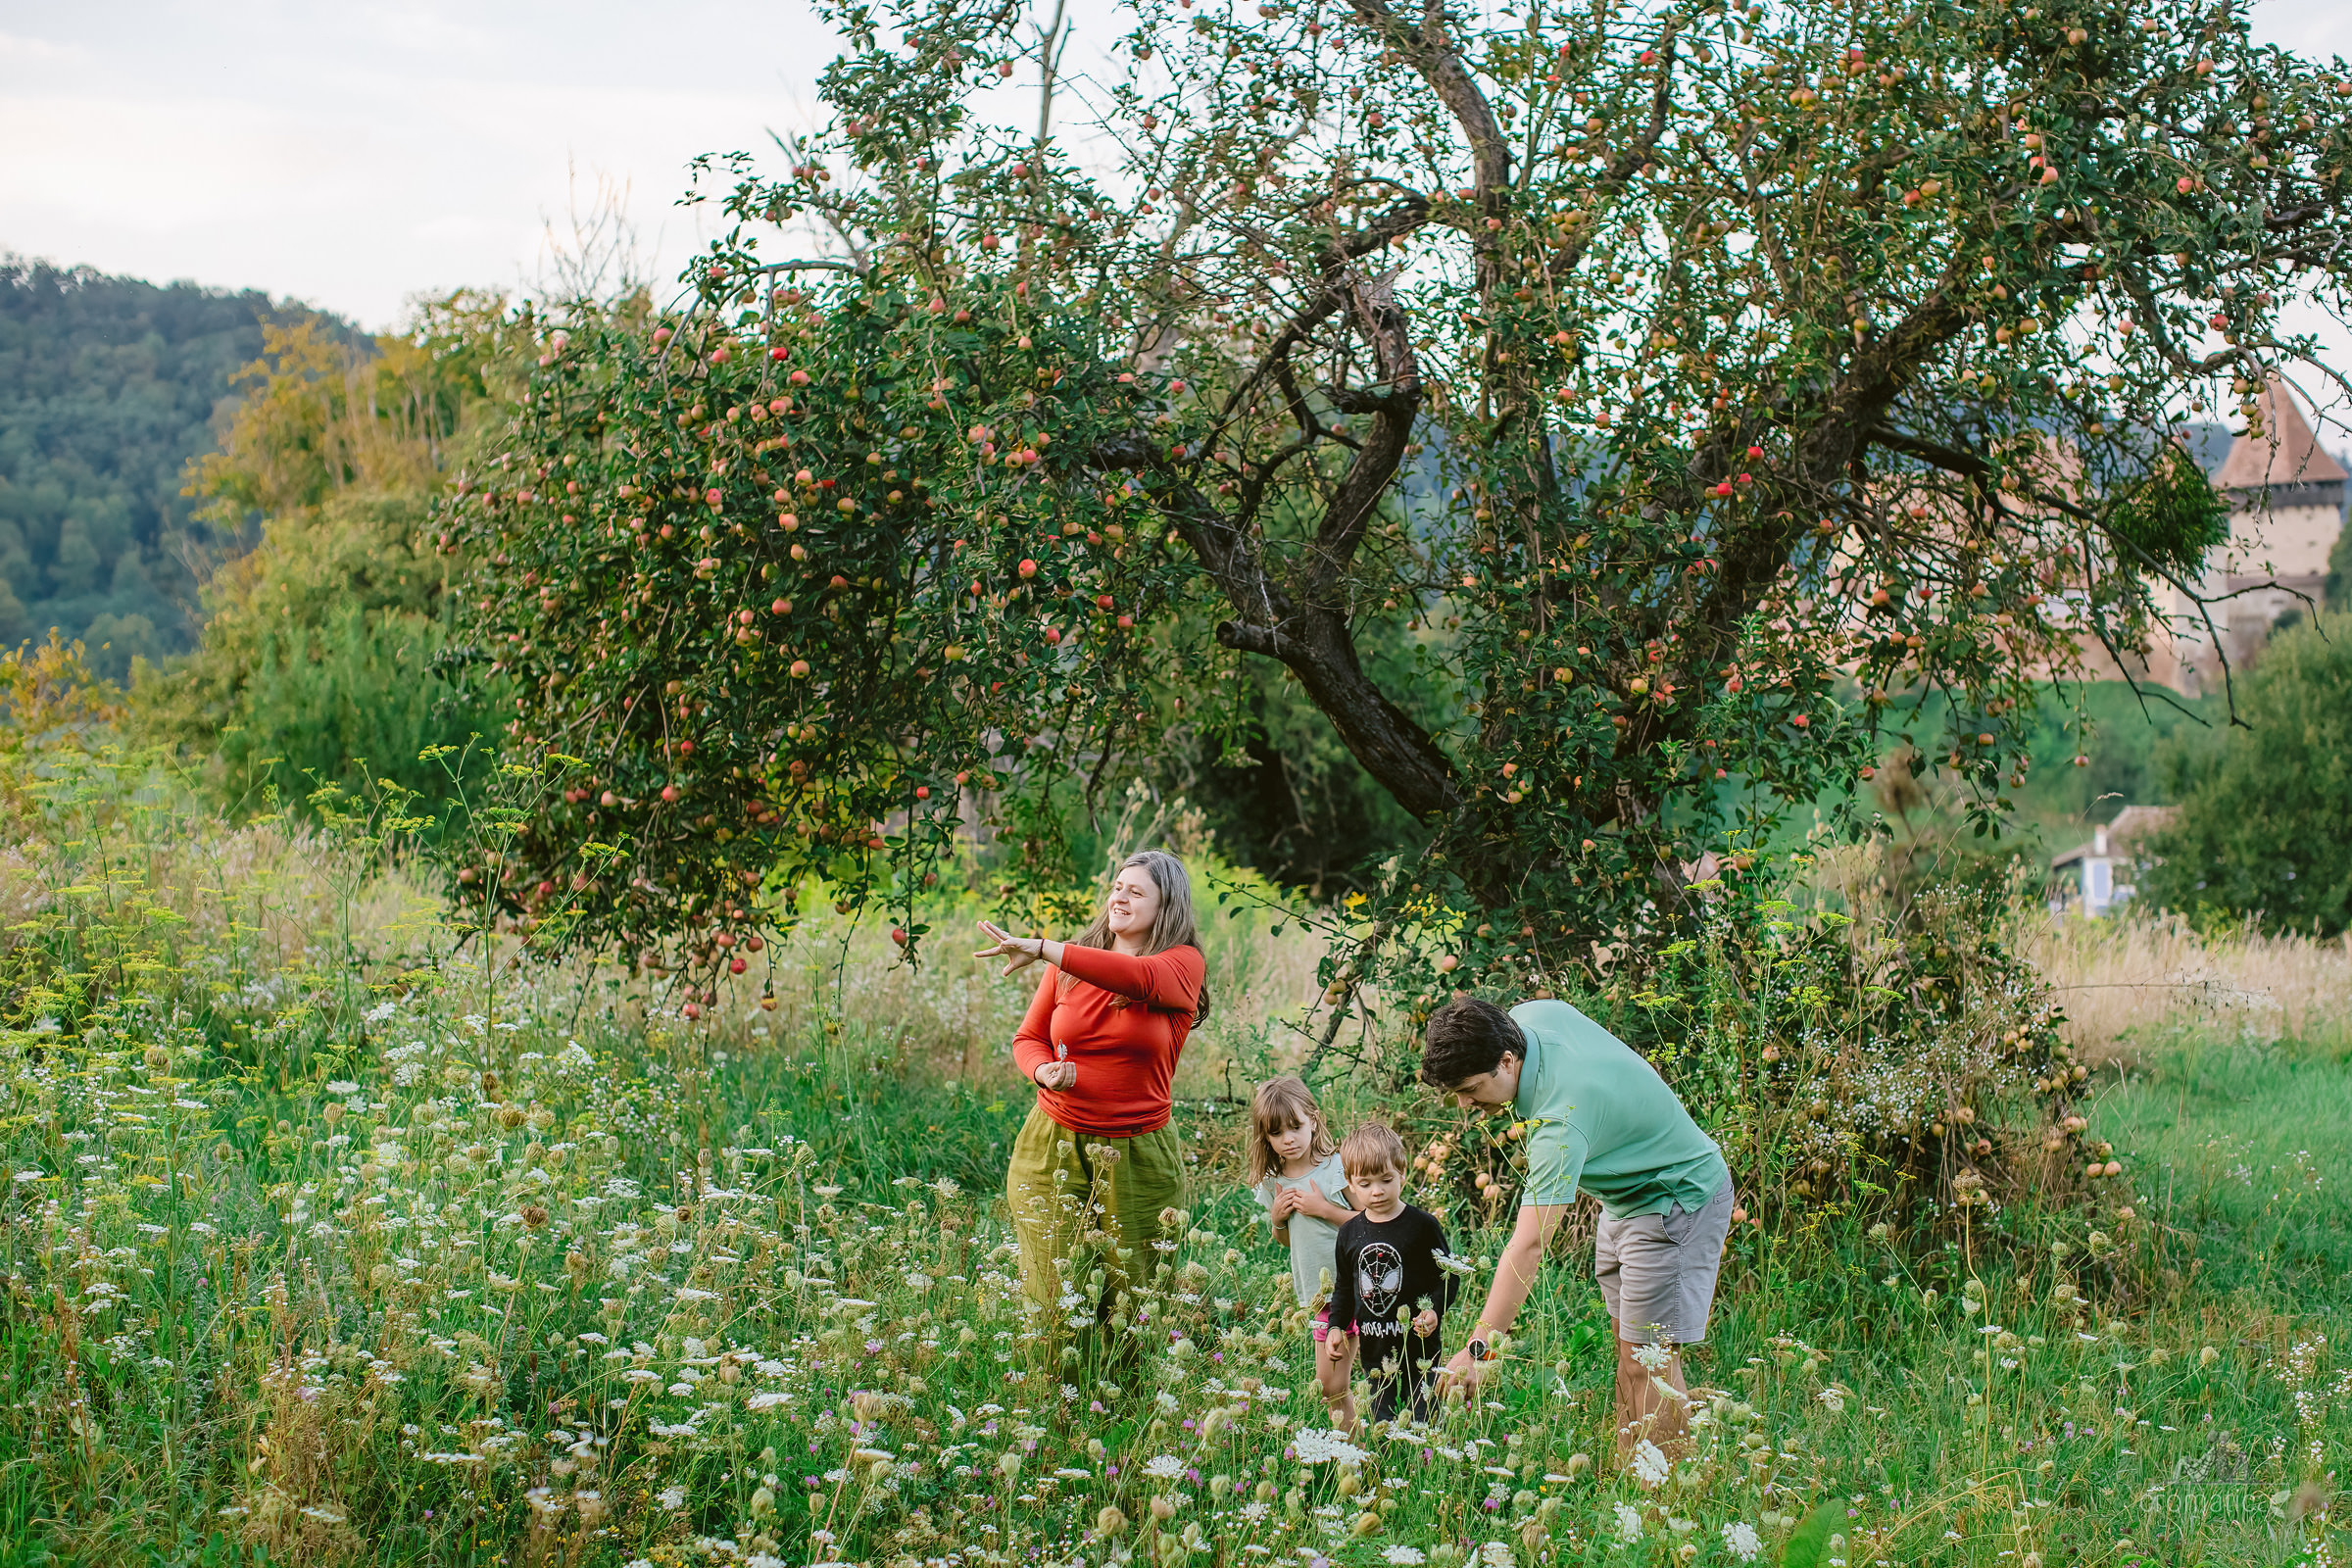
<point>1465,1038</point>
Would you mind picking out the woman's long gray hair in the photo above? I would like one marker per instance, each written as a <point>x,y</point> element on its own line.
<point>1172,926</point>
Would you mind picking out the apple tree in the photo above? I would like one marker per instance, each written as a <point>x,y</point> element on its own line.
<point>1716,394</point>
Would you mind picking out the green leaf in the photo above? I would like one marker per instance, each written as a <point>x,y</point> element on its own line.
<point>1810,1545</point>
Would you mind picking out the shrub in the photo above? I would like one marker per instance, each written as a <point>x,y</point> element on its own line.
<point>2264,829</point>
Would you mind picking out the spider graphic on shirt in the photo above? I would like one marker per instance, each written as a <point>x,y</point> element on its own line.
<point>1379,1281</point>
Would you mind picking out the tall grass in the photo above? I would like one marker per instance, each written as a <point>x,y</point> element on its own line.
<point>333,1234</point>
<point>2138,981</point>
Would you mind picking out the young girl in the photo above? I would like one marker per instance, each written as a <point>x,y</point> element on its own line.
<point>1295,1177</point>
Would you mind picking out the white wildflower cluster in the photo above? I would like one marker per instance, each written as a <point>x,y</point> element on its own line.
<point>1325,1447</point>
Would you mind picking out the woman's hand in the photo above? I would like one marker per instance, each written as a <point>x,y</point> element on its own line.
<point>1058,1076</point>
<point>1019,951</point>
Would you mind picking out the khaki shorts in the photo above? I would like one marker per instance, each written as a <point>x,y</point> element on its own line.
<point>1657,1271</point>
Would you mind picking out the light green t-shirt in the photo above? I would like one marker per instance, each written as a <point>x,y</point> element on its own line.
<point>1314,1243</point>
<point>1603,1119</point>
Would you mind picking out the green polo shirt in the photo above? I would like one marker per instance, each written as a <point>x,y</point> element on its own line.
<point>1600,1118</point>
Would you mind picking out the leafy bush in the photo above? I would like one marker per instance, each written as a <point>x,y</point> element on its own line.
<point>1900,1062</point>
<point>2265,830</point>
<point>328,659</point>
<point>327,655</point>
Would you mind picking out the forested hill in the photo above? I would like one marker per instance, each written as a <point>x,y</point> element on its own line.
<point>108,386</point>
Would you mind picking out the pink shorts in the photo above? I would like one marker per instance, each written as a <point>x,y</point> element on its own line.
<point>1322,1325</point>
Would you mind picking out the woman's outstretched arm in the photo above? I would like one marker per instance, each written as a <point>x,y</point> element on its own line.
<point>1169,981</point>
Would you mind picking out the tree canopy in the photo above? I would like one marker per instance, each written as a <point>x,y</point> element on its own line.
<point>1697,390</point>
<point>108,387</point>
<point>328,653</point>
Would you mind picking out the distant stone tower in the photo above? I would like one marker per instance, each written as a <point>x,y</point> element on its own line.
<point>2287,507</point>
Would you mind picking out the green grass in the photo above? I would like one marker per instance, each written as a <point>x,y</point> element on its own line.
<point>300,1269</point>
<point>2249,1154</point>
<point>1856,1368</point>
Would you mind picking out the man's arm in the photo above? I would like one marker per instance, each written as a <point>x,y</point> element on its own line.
<point>1521,1261</point>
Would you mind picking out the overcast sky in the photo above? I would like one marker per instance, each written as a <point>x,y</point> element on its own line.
<point>354,153</point>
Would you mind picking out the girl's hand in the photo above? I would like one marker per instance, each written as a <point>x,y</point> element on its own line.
<point>1336,1346</point>
<point>1058,1076</point>
<point>1285,1202</point>
<point>1309,1202</point>
<point>1019,952</point>
<point>1425,1323</point>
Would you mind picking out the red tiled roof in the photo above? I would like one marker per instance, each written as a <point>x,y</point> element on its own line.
<point>2287,452</point>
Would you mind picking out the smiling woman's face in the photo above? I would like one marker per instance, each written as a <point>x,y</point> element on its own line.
<point>1134,903</point>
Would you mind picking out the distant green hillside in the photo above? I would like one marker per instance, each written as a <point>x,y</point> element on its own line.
<point>108,386</point>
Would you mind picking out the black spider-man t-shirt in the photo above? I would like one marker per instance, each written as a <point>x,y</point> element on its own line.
<point>1386,1273</point>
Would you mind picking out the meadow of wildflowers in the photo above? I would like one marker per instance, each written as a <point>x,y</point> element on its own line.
<point>330,1237</point>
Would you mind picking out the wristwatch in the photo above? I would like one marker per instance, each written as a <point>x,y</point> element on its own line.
<point>1480,1348</point>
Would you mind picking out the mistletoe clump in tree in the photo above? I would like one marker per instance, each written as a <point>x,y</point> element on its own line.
<point>1716,393</point>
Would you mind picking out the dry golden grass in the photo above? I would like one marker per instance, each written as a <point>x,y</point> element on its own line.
<point>2132,981</point>
<point>958,1014</point>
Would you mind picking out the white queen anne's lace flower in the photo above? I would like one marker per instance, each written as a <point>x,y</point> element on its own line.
<point>1325,1447</point>
<point>1655,1357</point>
<point>1404,1557</point>
<point>1649,1465</point>
<point>1741,1539</point>
<point>1629,1523</point>
<point>1164,1467</point>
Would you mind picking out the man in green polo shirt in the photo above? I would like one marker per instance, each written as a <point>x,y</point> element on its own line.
<point>1595,1116</point>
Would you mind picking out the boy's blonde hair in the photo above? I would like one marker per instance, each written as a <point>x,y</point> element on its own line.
<point>1280,1104</point>
<point>1373,1147</point>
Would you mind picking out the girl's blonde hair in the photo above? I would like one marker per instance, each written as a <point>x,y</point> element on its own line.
<point>1171,927</point>
<point>1282,1104</point>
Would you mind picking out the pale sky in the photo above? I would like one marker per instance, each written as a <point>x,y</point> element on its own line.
<point>355,153</point>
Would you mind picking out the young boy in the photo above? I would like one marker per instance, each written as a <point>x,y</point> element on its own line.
<point>1387,1275</point>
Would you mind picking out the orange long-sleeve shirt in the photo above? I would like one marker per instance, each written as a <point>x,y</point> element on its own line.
<point>1124,1022</point>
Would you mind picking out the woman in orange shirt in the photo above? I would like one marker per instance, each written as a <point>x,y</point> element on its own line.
<point>1097,1173</point>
